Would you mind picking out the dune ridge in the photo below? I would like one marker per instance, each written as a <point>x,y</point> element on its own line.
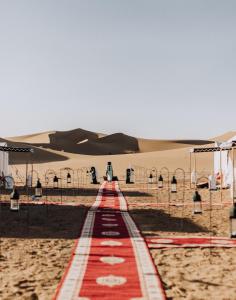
<point>80,141</point>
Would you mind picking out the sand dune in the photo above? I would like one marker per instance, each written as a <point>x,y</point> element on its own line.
<point>225,137</point>
<point>80,141</point>
<point>38,156</point>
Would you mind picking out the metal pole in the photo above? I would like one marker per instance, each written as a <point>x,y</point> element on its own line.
<point>233,192</point>
<point>195,169</point>
<point>190,172</point>
<point>221,178</point>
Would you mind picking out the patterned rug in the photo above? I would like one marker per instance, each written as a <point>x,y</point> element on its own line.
<point>190,242</point>
<point>111,259</point>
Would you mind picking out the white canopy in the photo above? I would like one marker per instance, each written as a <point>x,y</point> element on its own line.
<point>223,163</point>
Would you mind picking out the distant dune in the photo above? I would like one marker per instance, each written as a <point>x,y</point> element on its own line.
<point>38,156</point>
<point>80,141</point>
<point>225,137</point>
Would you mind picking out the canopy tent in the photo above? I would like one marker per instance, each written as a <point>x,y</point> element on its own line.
<point>4,157</point>
<point>4,161</point>
<point>224,162</point>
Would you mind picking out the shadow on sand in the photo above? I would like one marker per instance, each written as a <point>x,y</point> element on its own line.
<point>65,221</point>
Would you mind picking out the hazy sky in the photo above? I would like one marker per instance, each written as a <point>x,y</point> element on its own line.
<point>157,69</point>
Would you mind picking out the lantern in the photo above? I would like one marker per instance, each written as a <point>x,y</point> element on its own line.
<point>128,176</point>
<point>233,221</point>
<point>197,203</point>
<point>38,190</point>
<point>160,182</point>
<point>68,178</point>
<point>14,200</point>
<point>173,185</point>
<point>150,178</point>
<point>55,182</point>
<point>93,175</point>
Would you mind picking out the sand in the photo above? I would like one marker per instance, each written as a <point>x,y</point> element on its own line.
<point>36,244</point>
<point>188,273</point>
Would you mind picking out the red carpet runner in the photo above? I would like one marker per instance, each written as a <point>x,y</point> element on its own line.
<point>190,242</point>
<point>111,259</point>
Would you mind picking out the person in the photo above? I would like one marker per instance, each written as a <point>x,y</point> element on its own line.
<point>109,172</point>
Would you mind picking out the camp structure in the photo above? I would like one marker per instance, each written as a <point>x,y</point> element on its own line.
<point>224,163</point>
<point>4,161</point>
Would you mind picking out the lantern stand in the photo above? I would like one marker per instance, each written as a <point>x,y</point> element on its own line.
<point>197,202</point>
<point>165,169</point>
<point>220,149</point>
<point>193,173</point>
<point>69,178</point>
<point>154,169</point>
<point>183,194</point>
<point>78,171</point>
<point>49,174</point>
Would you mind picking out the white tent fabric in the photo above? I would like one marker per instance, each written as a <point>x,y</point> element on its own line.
<point>223,163</point>
<point>4,161</point>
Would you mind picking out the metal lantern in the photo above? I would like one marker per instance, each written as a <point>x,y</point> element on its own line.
<point>173,185</point>
<point>197,203</point>
<point>93,175</point>
<point>150,178</point>
<point>68,178</point>
<point>233,221</point>
<point>55,182</point>
<point>160,182</point>
<point>128,176</point>
<point>15,200</point>
<point>38,190</point>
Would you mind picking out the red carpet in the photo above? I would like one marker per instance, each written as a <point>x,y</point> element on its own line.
<point>190,242</point>
<point>111,259</point>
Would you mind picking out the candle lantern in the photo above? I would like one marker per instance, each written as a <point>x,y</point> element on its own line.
<point>197,203</point>
<point>128,176</point>
<point>160,182</point>
<point>93,175</point>
<point>173,185</point>
<point>68,178</point>
<point>150,178</point>
<point>55,182</point>
<point>233,221</point>
<point>38,190</point>
<point>15,200</point>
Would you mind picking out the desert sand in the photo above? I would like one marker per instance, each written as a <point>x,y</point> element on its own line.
<point>36,243</point>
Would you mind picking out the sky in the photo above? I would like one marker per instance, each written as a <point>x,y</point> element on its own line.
<point>154,69</point>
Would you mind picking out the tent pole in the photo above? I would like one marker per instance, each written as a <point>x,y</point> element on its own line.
<point>190,167</point>
<point>233,174</point>
<point>221,177</point>
<point>195,169</point>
